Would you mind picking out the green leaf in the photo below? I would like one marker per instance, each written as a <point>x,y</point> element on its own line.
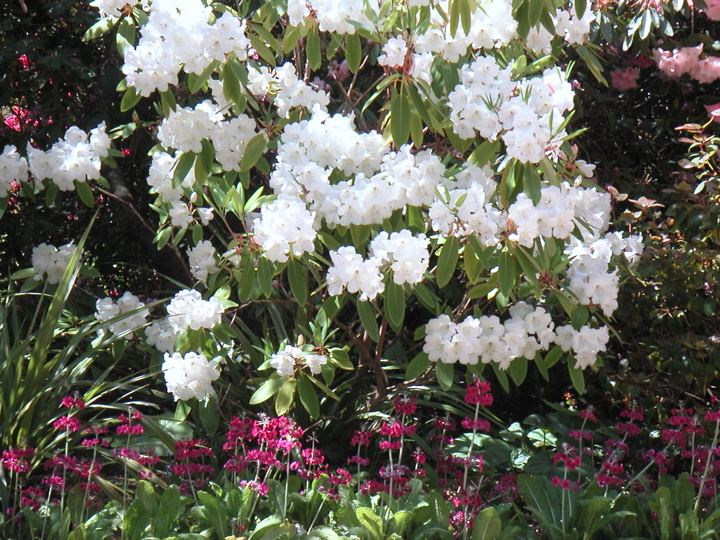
<point>342,359</point>
<point>297,275</point>
<point>265,272</point>
<point>427,298</point>
<point>215,513</point>
<point>579,317</point>
<point>125,36</point>
<point>394,304</point>
<point>419,365</point>
<point>400,117</point>
<point>576,376</point>
<point>531,184</point>
<point>308,398</point>
<point>445,374</point>
<point>267,389</point>
<point>542,368</point>
<point>129,99</point>
<point>209,415</point>
<point>447,262</point>
<point>501,377</point>
<point>167,511</point>
<point>540,499</point>
<point>580,6</point>
<point>285,396</point>
<point>487,526</point>
<point>353,51</point>
<point>553,356</point>
<point>370,522</point>
<point>368,320</point>
<point>507,274</point>
<point>100,28</point>
<point>255,148</point>
<point>518,370</point>
<point>312,48</point>
<point>85,193</point>
<point>182,168</point>
<point>231,85</point>
<point>484,153</point>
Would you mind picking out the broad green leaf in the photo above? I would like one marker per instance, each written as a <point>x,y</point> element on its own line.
<point>353,51</point>
<point>400,117</point>
<point>553,356</point>
<point>255,148</point>
<point>531,184</point>
<point>125,36</point>
<point>297,275</point>
<point>447,262</point>
<point>312,49</point>
<point>579,317</point>
<point>445,374</point>
<point>308,398</point>
<point>85,193</point>
<point>209,415</point>
<point>129,99</point>
<point>518,370</point>
<point>487,526</point>
<point>231,85</point>
<point>507,274</point>
<point>394,304</point>
<point>484,153</point>
<point>580,6</point>
<point>100,28</point>
<point>576,376</point>
<point>285,396</point>
<point>216,513</point>
<point>542,368</point>
<point>182,168</point>
<point>265,272</point>
<point>427,298</point>
<point>368,319</point>
<point>371,522</point>
<point>419,365</point>
<point>267,389</point>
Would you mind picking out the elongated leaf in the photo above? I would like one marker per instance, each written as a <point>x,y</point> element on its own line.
<point>215,512</point>
<point>285,396</point>
<point>130,99</point>
<point>308,397</point>
<point>394,304</point>
<point>182,168</point>
<point>419,365</point>
<point>518,370</point>
<point>445,375</point>
<point>100,28</point>
<point>488,525</point>
<point>255,148</point>
<point>507,274</point>
<point>447,262</point>
<point>576,376</point>
<point>400,118</point>
<point>85,193</point>
<point>368,320</point>
<point>353,51</point>
<point>267,390</point>
<point>297,275</point>
<point>312,49</point>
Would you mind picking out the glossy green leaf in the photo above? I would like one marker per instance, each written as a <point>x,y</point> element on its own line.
<point>576,376</point>
<point>507,274</point>
<point>394,304</point>
<point>267,390</point>
<point>182,168</point>
<point>129,99</point>
<point>308,397</point>
<point>353,51</point>
<point>518,370</point>
<point>285,397</point>
<point>297,275</point>
<point>100,28</point>
<point>265,273</point>
<point>85,193</point>
<point>400,118</point>
<point>368,319</point>
<point>484,153</point>
<point>419,365</point>
<point>255,148</point>
<point>445,374</point>
<point>209,414</point>
<point>447,262</point>
<point>312,49</point>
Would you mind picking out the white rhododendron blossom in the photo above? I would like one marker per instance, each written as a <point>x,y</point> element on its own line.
<point>111,8</point>
<point>487,339</point>
<point>285,362</point>
<point>47,260</point>
<point>180,33</point>
<point>285,227</point>
<point>161,335</point>
<point>585,343</point>
<point>188,310</point>
<point>75,158</point>
<point>13,170</point>
<point>352,273</point>
<point>407,255</point>
<point>202,260</point>
<point>332,16</point>
<point>394,53</point>
<point>107,309</point>
<point>286,89</point>
<point>189,376</point>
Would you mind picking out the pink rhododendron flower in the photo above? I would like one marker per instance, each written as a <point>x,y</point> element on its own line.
<point>712,9</point>
<point>625,79</point>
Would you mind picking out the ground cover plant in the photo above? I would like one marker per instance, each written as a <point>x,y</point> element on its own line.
<point>403,269</point>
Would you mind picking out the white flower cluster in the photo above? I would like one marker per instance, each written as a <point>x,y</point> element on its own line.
<point>285,88</point>
<point>487,339</point>
<point>13,169</point>
<point>51,261</point>
<point>74,158</point>
<point>585,343</point>
<point>574,31</point>
<point>406,255</point>
<point>161,335</point>
<point>178,32</point>
<point>188,310</point>
<point>286,361</point>
<point>286,227</point>
<point>467,210</point>
<point>111,8</point>
<point>332,15</point>
<point>492,27</point>
<point>394,53</point>
<point>202,260</point>
<point>190,376</point>
<point>591,280</point>
<point>558,212</point>
<point>525,114</point>
<point>106,309</point>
